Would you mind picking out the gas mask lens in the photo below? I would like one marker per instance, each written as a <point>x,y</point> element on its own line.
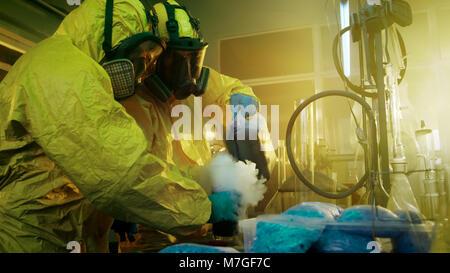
<point>192,58</point>
<point>183,72</point>
<point>144,59</point>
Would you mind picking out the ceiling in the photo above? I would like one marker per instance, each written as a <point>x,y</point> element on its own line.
<point>21,16</point>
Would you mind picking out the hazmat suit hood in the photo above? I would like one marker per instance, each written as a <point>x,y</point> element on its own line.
<point>70,155</point>
<point>86,25</point>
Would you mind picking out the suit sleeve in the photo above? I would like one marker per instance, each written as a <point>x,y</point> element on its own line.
<point>72,115</point>
<point>221,87</point>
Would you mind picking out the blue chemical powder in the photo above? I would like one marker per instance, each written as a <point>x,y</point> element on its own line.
<point>354,237</point>
<point>364,213</point>
<point>298,237</point>
<point>195,248</point>
<point>281,238</point>
<point>361,217</point>
<point>348,231</point>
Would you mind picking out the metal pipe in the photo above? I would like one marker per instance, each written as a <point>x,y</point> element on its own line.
<point>382,124</point>
<point>5,66</point>
<point>50,7</point>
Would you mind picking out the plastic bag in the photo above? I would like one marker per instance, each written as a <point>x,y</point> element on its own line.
<point>287,234</point>
<point>355,229</point>
<point>368,221</point>
<point>415,240</point>
<point>196,248</point>
<point>315,210</point>
<point>336,241</point>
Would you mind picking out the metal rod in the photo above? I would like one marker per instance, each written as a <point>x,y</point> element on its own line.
<point>5,66</point>
<point>363,111</point>
<point>51,7</point>
<point>383,146</point>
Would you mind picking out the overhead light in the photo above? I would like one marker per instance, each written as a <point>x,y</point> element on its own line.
<point>345,22</point>
<point>5,66</point>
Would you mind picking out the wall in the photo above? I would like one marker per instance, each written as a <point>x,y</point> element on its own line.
<point>220,19</point>
<point>425,90</point>
<point>20,17</point>
<point>427,79</point>
<point>428,44</point>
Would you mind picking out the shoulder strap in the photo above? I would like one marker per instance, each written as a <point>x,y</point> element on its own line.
<point>107,43</point>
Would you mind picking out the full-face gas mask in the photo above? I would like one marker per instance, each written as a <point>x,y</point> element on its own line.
<point>180,66</point>
<point>165,64</point>
<point>132,61</point>
<point>182,70</point>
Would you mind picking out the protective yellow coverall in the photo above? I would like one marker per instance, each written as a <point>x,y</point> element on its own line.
<point>69,151</point>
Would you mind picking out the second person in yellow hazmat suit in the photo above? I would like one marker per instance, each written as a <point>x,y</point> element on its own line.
<point>181,73</point>
<point>71,157</point>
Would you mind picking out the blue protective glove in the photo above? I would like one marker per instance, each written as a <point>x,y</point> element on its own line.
<point>122,228</point>
<point>244,100</point>
<point>224,206</point>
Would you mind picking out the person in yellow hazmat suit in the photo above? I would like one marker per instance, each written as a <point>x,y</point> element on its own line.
<point>181,59</point>
<point>72,158</point>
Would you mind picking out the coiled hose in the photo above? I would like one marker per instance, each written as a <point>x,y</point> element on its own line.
<point>358,89</point>
<point>373,141</point>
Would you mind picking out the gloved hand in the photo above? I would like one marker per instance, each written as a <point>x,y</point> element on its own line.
<point>123,228</point>
<point>224,206</point>
<point>244,100</point>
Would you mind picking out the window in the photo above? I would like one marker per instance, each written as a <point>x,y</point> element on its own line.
<point>11,48</point>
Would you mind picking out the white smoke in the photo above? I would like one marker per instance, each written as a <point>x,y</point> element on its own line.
<point>224,174</point>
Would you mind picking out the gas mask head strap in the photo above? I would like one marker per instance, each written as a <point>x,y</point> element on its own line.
<point>172,24</point>
<point>107,43</point>
<point>120,71</point>
<point>154,21</point>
